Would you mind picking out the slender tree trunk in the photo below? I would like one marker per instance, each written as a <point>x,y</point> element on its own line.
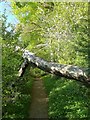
<point>67,71</point>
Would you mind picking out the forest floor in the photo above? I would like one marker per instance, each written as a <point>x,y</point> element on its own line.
<point>39,101</point>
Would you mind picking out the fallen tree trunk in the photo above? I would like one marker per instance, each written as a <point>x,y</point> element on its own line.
<point>23,67</point>
<point>67,71</point>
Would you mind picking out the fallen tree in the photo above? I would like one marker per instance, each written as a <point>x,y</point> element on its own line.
<point>67,71</point>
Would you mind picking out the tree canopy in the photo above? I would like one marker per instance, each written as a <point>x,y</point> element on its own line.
<point>54,31</point>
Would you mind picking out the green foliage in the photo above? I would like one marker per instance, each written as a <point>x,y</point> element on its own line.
<point>67,99</point>
<point>63,28</point>
<point>49,83</point>
<point>16,91</point>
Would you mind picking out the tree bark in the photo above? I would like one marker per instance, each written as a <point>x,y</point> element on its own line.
<point>67,71</point>
<point>23,67</point>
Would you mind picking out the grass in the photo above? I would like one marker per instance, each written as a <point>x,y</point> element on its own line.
<point>67,99</point>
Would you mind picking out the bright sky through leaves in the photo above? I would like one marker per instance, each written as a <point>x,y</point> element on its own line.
<point>10,17</point>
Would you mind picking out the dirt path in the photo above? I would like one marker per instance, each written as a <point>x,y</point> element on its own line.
<point>39,107</point>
